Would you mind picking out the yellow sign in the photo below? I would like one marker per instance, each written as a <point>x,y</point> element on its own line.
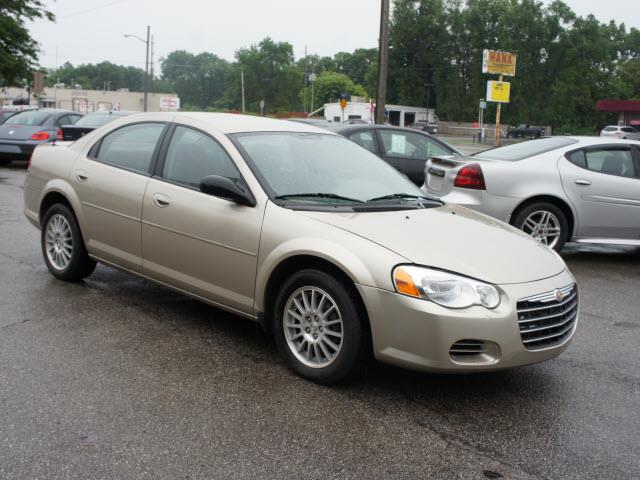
<point>498,91</point>
<point>499,63</point>
<point>343,103</point>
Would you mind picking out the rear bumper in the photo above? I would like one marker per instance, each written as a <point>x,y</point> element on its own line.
<point>418,334</point>
<point>16,150</point>
<point>481,201</point>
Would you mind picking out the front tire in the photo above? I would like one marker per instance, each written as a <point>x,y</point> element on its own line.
<point>319,328</point>
<point>63,248</point>
<point>545,222</point>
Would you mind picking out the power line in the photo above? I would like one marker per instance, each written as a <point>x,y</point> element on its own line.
<point>97,7</point>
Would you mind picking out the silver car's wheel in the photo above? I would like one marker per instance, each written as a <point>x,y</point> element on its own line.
<point>313,327</point>
<point>544,226</point>
<point>58,242</point>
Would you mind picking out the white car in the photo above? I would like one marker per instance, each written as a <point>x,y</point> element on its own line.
<point>557,189</point>
<point>620,131</point>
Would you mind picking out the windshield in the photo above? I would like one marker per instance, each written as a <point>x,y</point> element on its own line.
<point>31,118</point>
<point>520,151</point>
<point>96,120</point>
<point>332,169</point>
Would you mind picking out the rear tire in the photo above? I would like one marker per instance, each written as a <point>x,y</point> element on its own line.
<point>545,222</point>
<point>319,329</point>
<point>63,248</point>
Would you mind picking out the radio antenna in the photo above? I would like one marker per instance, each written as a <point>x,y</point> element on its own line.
<point>55,102</point>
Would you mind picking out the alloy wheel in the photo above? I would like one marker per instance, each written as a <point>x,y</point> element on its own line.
<point>544,226</point>
<point>313,327</point>
<point>58,242</point>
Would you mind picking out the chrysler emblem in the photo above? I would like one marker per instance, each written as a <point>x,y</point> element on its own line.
<point>558,294</point>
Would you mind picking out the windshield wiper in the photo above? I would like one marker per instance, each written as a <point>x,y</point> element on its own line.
<point>317,195</point>
<point>405,196</point>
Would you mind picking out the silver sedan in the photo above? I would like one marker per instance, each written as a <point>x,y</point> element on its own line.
<point>557,189</point>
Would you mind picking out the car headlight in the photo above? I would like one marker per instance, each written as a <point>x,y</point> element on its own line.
<point>444,288</point>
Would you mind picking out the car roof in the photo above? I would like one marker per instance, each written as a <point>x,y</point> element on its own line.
<point>371,126</point>
<point>114,112</point>
<point>237,123</point>
<point>586,141</point>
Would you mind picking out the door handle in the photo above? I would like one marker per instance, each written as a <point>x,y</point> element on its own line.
<point>160,200</point>
<point>583,182</point>
<point>82,176</point>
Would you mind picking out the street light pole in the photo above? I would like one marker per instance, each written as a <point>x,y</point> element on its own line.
<point>146,70</point>
<point>383,61</point>
<point>146,62</point>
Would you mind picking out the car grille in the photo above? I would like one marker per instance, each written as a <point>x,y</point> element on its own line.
<point>548,319</point>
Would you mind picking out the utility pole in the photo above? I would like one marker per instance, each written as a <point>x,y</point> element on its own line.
<point>383,61</point>
<point>146,62</point>
<point>146,71</point>
<point>151,65</point>
<point>242,86</point>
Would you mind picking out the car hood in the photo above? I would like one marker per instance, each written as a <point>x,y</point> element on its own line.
<point>453,238</point>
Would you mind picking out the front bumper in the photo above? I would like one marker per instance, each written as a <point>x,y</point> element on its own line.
<point>16,150</point>
<point>419,334</point>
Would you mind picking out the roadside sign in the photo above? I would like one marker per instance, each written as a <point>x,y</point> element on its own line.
<point>483,105</point>
<point>498,91</point>
<point>343,103</point>
<point>499,63</point>
<point>169,103</point>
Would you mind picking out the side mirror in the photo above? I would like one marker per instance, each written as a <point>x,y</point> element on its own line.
<point>222,187</point>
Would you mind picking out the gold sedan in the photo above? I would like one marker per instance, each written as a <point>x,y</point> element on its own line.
<point>327,246</point>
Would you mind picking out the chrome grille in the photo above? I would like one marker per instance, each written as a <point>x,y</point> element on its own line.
<point>548,319</point>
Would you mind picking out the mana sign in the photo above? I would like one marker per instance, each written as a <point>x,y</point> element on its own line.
<point>499,63</point>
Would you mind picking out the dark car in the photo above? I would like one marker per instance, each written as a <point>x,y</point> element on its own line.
<point>23,132</point>
<point>525,131</point>
<point>89,123</point>
<point>405,149</point>
<point>424,126</point>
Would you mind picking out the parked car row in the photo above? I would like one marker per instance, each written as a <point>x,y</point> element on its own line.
<point>25,129</point>
<point>556,189</point>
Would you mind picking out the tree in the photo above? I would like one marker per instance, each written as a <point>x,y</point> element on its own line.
<point>202,80</point>
<point>103,75</point>
<point>328,88</point>
<point>18,51</point>
<point>270,74</point>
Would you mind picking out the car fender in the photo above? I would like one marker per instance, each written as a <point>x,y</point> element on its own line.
<point>63,187</point>
<point>340,257</point>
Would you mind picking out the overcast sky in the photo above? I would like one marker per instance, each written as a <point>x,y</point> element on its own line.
<point>90,31</point>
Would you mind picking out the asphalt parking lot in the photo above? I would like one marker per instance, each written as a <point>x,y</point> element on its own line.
<point>117,378</point>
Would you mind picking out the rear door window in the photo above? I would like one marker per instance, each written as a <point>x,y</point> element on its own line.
<point>611,161</point>
<point>131,147</point>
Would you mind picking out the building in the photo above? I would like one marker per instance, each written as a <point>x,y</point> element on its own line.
<point>86,101</point>
<point>399,115</point>
<point>628,110</point>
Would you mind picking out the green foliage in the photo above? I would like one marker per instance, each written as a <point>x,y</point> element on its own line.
<point>328,88</point>
<point>201,80</point>
<point>270,74</point>
<point>565,63</point>
<point>18,51</point>
<point>104,75</point>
